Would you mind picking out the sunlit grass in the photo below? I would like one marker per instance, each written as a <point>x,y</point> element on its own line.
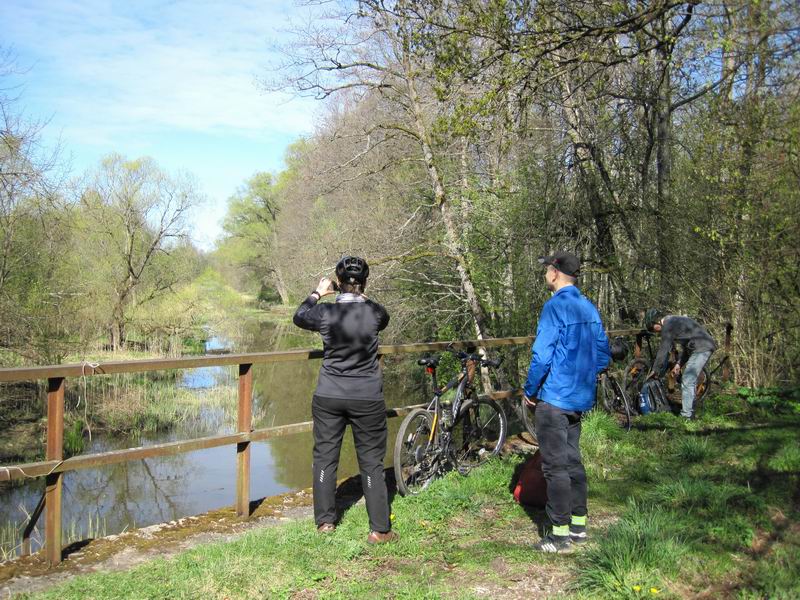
<point>676,510</point>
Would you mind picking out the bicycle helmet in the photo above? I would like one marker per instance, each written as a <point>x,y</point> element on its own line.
<point>352,269</point>
<point>651,317</point>
<point>619,349</point>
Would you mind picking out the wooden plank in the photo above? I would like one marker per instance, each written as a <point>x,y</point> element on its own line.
<point>54,481</point>
<point>163,364</point>
<point>91,461</point>
<point>154,364</point>
<point>244,425</point>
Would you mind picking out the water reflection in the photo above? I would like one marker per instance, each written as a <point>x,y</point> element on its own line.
<point>145,492</point>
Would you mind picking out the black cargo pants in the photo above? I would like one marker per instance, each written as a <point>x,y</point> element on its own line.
<point>367,419</point>
<point>559,435</point>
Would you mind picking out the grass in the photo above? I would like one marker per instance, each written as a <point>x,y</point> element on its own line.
<point>677,509</point>
<point>142,404</point>
<point>11,535</point>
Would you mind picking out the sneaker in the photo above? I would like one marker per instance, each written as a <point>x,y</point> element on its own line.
<point>326,528</point>
<point>554,544</point>
<point>577,534</point>
<point>376,537</point>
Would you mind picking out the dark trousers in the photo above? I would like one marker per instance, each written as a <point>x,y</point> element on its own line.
<point>559,434</point>
<point>367,419</point>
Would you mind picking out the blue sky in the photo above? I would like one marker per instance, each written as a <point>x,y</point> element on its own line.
<point>173,80</point>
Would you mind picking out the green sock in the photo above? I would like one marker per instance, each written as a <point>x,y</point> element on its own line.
<point>579,521</point>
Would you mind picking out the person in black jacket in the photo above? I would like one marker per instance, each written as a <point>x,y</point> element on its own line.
<point>349,391</point>
<point>697,345</point>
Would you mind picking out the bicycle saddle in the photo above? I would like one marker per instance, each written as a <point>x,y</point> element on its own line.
<point>431,361</point>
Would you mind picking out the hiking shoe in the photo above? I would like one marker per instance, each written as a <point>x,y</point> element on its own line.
<point>554,544</point>
<point>376,537</point>
<point>577,534</point>
<point>326,528</point>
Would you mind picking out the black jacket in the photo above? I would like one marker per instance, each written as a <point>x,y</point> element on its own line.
<point>349,329</point>
<point>687,332</point>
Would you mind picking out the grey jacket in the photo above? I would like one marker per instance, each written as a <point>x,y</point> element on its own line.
<point>687,332</point>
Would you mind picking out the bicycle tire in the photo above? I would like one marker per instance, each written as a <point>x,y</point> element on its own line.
<point>411,451</point>
<point>479,432</point>
<point>635,376</point>
<point>621,405</point>
<point>529,419</point>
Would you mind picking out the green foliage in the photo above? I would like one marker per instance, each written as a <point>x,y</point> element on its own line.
<point>642,551</point>
<point>73,438</point>
<point>693,449</point>
<point>786,460</point>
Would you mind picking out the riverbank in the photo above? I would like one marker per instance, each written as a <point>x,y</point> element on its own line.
<point>700,509</point>
<point>143,403</point>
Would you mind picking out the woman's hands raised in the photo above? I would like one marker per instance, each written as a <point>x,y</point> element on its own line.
<point>325,287</point>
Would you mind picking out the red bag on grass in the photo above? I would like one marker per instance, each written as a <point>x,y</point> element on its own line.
<point>531,488</point>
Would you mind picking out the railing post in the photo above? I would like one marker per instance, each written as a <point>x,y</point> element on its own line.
<point>244,424</point>
<point>54,481</point>
<point>726,369</point>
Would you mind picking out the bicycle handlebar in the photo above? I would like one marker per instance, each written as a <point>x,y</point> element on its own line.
<point>465,356</point>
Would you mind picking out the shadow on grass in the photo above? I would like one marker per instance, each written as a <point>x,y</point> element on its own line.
<point>720,493</point>
<point>350,491</point>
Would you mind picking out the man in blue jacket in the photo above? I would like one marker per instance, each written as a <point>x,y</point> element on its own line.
<point>570,349</point>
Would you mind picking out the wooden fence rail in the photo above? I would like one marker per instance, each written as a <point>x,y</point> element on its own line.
<point>54,466</point>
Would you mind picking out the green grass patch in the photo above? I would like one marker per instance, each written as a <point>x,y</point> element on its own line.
<point>677,509</point>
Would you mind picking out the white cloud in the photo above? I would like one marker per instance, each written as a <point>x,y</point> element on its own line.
<point>173,80</point>
<point>113,68</point>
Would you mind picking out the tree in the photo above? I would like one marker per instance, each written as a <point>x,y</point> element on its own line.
<point>133,215</point>
<point>251,233</point>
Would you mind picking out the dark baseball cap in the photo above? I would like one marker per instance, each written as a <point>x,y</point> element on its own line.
<point>566,262</point>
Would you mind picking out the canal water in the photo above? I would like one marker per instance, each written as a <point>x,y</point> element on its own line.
<point>119,497</point>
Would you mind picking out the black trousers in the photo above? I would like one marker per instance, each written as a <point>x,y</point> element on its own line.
<point>367,419</point>
<point>559,434</point>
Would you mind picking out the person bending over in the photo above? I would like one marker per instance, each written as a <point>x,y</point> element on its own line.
<point>697,345</point>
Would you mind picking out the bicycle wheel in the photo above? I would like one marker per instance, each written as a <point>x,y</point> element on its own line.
<point>620,401</point>
<point>635,376</point>
<point>478,432</point>
<point>529,419</point>
<point>414,459</point>
<point>604,397</point>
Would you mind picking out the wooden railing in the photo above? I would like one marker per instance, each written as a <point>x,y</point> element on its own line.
<point>54,466</point>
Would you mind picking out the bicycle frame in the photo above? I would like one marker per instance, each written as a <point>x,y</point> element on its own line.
<point>462,382</point>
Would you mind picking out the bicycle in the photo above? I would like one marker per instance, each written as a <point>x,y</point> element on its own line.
<point>611,398</point>
<point>525,412</point>
<point>708,380</point>
<point>448,436</point>
<point>610,395</point>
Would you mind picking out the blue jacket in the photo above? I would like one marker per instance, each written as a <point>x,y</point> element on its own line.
<point>570,349</point>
